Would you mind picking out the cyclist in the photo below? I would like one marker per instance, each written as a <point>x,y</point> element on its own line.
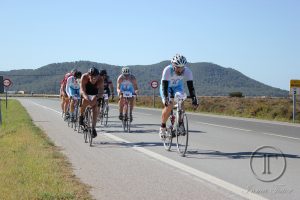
<point>63,94</point>
<point>72,90</point>
<point>126,82</point>
<point>172,82</point>
<point>108,86</point>
<point>91,86</point>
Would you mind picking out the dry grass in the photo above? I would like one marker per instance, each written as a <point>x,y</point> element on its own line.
<point>279,109</point>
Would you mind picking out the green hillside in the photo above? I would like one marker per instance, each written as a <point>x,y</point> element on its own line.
<point>210,79</point>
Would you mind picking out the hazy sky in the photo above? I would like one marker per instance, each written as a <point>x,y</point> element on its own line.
<point>260,38</point>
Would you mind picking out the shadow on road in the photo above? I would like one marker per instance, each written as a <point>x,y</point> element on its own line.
<point>212,154</point>
<point>101,144</point>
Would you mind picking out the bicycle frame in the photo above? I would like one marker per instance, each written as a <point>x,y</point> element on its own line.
<point>126,106</point>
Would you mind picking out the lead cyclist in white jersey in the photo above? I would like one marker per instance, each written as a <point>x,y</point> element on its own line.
<point>172,81</point>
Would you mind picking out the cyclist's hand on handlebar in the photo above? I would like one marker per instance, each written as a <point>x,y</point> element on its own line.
<point>166,102</point>
<point>195,102</point>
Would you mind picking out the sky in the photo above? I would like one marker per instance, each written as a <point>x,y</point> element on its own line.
<point>259,38</point>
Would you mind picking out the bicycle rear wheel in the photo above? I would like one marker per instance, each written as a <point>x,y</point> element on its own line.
<point>105,114</point>
<point>182,137</point>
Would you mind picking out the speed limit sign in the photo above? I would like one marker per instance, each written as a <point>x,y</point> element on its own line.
<point>7,82</point>
<point>154,84</point>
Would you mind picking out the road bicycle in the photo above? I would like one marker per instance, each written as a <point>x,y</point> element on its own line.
<point>177,126</point>
<point>87,124</point>
<point>103,114</point>
<point>87,128</point>
<point>72,119</point>
<point>126,123</point>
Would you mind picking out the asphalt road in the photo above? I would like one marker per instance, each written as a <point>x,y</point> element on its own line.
<point>227,158</point>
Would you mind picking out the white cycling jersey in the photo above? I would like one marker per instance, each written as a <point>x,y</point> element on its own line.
<point>72,87</point>
<point>174,79</point>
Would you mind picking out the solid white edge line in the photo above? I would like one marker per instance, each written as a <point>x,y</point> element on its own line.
<point>204,176</point>
<point>270,134</point>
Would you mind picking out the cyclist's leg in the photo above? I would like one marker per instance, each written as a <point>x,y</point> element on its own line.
<point>84,104</point>
<point>131,103</point>
<point>121,105</point>
<point>164,116</point>
<point>62,103</point>
<point>166,110</point>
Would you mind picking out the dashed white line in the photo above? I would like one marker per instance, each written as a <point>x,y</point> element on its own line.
<point>247,130</point>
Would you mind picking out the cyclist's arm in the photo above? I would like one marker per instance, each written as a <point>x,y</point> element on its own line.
<point>111,87</point>
<point>119,85</point>
<point>165,81</point>
<point>83,82</point>
<point>135,86</point>
<point>68,86</point>
<point>190,84</point>
<point>100,86</point>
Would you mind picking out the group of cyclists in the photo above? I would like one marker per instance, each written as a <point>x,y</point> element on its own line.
<point>89,88</point>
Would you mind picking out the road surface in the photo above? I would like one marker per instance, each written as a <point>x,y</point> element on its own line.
<point>227,158</point>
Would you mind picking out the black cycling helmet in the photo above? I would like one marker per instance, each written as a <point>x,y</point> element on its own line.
<point>103,72</point>
<point>73,71</point>
<point>77,74</point>
<point>93,71</point>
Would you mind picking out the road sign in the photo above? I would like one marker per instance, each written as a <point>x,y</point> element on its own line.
<point>154,84</point>
<point>7,82</point>
<point>295,84</point>
<point>295,87</point>
<point>1,85</point>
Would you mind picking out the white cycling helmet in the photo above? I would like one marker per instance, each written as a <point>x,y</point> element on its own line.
<point>179,60</point>
<point>125,70</point>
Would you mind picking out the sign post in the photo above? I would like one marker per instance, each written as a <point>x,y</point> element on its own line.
<point>294,90</point>
<point>7,83</point>
<point>1,91</point>
<point>154,85</point>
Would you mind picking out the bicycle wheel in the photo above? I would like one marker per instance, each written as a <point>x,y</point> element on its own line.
<point>89,122</point>
<point>106,114</point>
<point>86,125</point>
<point>85,135</point>
<point>182,137</point>
<point>90,135</point>
<point>168,139</point>
<point>128,125</point>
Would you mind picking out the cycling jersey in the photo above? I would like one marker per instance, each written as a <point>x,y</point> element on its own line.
<point>175,82</point>
<point>107,82</point>
<point>126,84</point>
<point>72,87</point>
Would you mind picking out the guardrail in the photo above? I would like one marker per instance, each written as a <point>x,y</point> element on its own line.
<point>32,95</point>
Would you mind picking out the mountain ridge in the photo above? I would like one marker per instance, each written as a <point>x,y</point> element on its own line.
<point>209,79</point>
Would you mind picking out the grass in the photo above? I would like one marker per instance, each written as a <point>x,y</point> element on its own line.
<point>31,167</point>
<point>279,109</point>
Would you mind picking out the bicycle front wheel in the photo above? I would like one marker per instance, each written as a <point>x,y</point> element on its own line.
<point>168,139</point>
<point>182,136</point>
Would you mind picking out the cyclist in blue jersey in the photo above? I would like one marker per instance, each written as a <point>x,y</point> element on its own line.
<point>126,82</point>
<point>73,91</point>
<point>172,82</point>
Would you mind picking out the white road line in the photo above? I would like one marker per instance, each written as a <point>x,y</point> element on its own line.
<point>214,180</point>
<point>223,126</point>
<point>270,134</point>
<point>46,107</point>
<point>204,176</point>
